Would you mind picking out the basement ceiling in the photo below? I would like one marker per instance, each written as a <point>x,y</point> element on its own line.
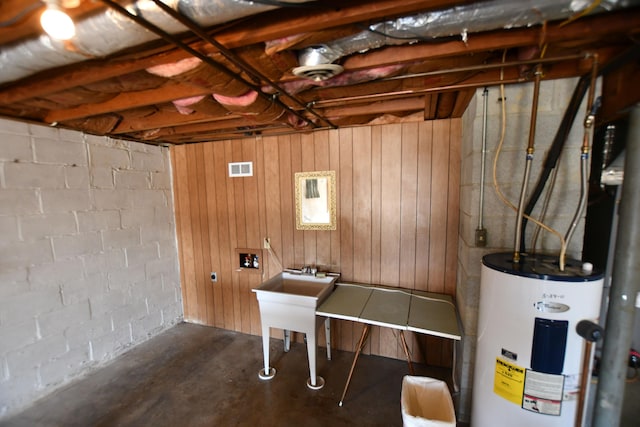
<point>185,71</point>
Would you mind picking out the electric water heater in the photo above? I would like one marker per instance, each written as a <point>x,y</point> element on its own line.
<point>529,356</point>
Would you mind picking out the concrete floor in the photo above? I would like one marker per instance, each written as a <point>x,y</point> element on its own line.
<point>201,376</point>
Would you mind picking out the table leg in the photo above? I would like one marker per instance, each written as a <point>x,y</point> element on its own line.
<point>327,334</point>
<point>406,351</point>
<point>287,340</point>
<point>363,338</point>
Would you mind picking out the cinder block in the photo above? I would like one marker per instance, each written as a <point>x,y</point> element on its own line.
<point>22,254</point>
<point>132,179</point>
<point>172,314</point>
<point>40,131</point>
<point>160,180</point>
<point>110,345</point>
<point>155,268</point>
<point>26,306</point>
<point>106,303</point>
<point>106,199</point>
<point>104,262</point>
<point>156,233</point>
<point>79,335</point>
<point>102,177</point>
<point>135,309</point>
<point>75,245</point>
<point>56,371</point>
<point>137,216</point>
<point>4,371</point>
<point>51,274</point>
<point>54,323</point>
<point>8,229</point>
<point>150,161</point>
<point>33,175</point>
<point>123,238</point>
<point>150,198</point>
<point>65,200</point>
<point>141,290</point>
<point>61,152</point>
<point>103,156</point>
<point>159,298</point>
<point>77,177</point>
<point>14,127</point>
<point>71,135</point>
<point>18,390</point>
<point>17,335</point>
<point>147,326</point>
<point>15,147</point>
<point>124,278</point>
<point>19,202</point>
<point>27,357</point>
<point>168,248</point>
<point>13,281</point>
<point>98,220</point>
<point>140,255</point>
<point>77,291</point>
<point>53,224</point>
<point>164,215</point>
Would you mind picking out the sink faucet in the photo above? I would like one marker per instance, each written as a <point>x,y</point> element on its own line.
<point>309,270</point>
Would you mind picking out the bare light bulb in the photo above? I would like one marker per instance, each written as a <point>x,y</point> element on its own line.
<point>57,23</point>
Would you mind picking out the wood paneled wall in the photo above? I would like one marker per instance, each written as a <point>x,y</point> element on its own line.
<point>398,215</point>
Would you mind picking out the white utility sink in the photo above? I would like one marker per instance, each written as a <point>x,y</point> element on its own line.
<point>288,301</point>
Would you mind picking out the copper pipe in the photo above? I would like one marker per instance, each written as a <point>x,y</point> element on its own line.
<point>529,160</point>
<point>484,67</point>
<point>409,93</point>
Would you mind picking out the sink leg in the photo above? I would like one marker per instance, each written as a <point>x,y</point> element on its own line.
<point>287,340</point>
<point>267,372</point>
<point>314,382</point>
<point>327,333</point>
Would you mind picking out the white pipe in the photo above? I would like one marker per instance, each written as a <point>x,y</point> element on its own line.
<point>485,95</point>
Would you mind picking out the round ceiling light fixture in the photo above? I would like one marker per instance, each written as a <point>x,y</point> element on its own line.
<point>318,72</point>
<point>315,64</point>
<point>56,23</point>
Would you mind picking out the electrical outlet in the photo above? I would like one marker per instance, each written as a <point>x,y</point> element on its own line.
<point>267,243</point>
<point>214,276</point>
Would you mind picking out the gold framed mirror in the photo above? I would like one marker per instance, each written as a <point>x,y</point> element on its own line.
<point>316,200</point>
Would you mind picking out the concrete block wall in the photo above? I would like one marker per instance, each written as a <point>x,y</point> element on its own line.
<point>498,219</point>
<point>88,255</point>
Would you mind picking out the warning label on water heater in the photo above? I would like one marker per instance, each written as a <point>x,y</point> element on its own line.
<point>543,393</point>
<point>508,381</point>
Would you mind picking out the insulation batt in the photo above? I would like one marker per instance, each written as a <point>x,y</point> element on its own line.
<point>196,72</point>
<point>183,105</point>
<point>251,106</point>
<point>344,79</point>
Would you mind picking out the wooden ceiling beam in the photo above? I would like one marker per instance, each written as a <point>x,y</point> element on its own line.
<point>243,34</point>
<point>127,100</point>
<point>160,119</point>
<point>462,102</point>
<point>391,106</point>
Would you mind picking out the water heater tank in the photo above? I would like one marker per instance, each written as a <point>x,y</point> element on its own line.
<point>529,356</point>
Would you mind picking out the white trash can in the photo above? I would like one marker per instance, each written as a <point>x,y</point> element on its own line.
<point>426,402</point>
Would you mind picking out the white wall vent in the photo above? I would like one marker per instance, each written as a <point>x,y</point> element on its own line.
<point>240,169</point>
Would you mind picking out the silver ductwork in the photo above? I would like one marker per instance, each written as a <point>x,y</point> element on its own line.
<point>459,22</point>
<point>108,32</point>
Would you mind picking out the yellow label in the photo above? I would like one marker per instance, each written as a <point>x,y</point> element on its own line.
<point>508,382</point>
